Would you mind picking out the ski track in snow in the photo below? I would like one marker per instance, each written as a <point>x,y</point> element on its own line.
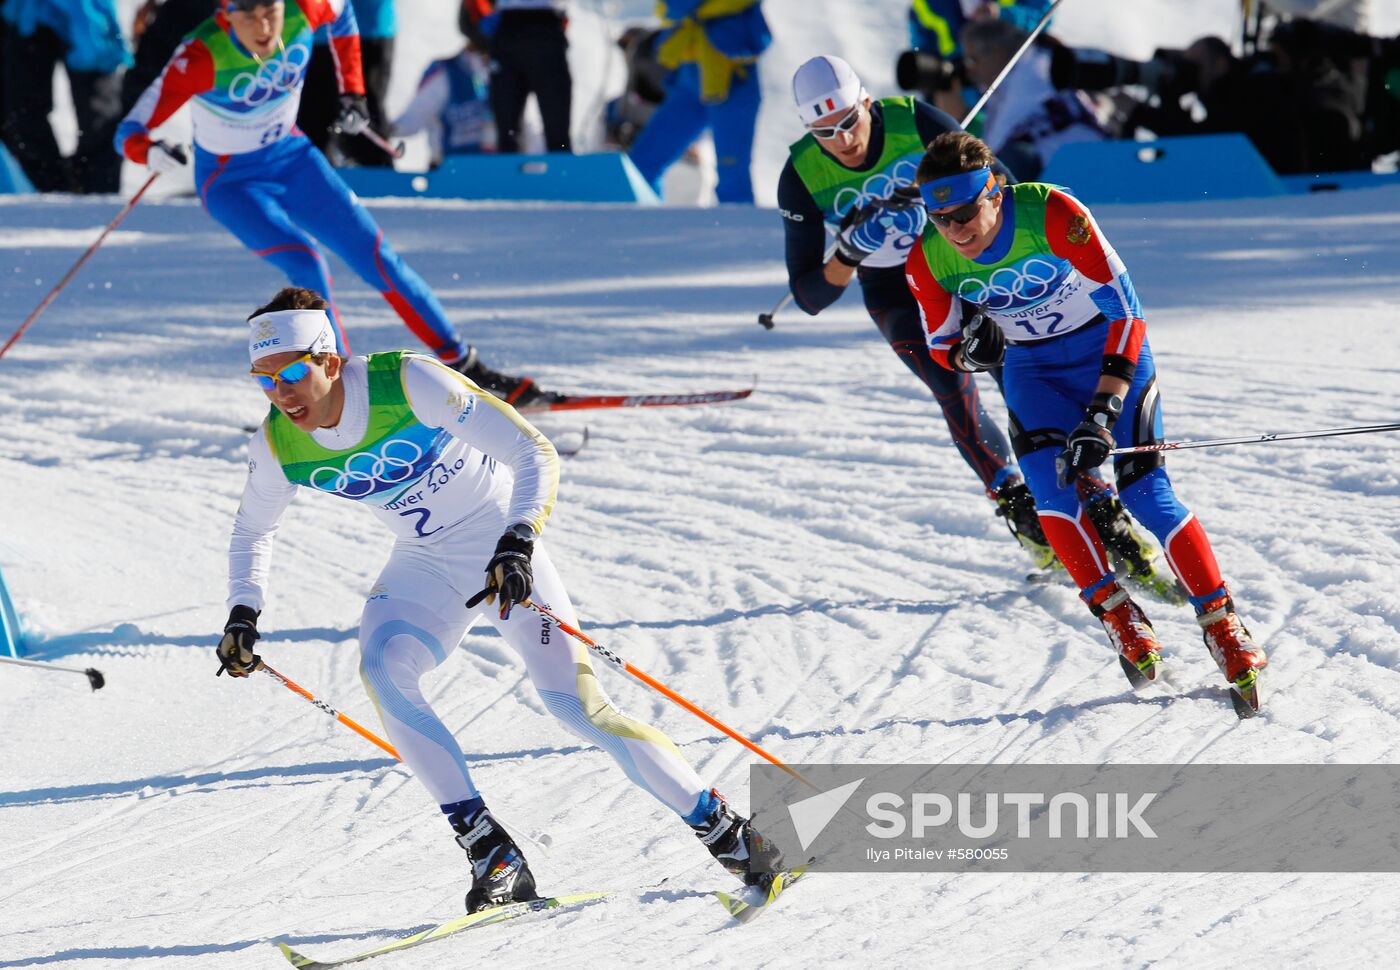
<point>814,565</point>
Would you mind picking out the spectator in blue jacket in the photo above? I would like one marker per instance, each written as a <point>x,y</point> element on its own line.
<point>84,35</point>
<point>712,48</point>
<point>936,25</point>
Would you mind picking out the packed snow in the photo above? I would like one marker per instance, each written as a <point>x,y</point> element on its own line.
<point>814,565</point>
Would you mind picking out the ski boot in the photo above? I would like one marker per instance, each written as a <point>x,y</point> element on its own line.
<point>1017,507</point>
<point>1129,631</point>
<point>519,392</point>
<point>1236,654</point>
<point>500,874</point>
<point>735,844</point>
<point>1132,554</point>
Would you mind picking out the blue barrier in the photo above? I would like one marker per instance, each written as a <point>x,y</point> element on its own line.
<point>12,178</point>
<point>11,636</point>
<point>600,177</point>
<point>1190,168</point>
<point>1338,181</point>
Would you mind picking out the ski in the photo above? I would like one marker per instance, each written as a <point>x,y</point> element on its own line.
<point>1245,695</point>
<point>746,912</point>
<point>580,402</point>
<point>1149,673</point>
<point>471,921</point>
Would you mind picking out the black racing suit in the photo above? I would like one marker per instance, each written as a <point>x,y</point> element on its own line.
<point>892,307</point>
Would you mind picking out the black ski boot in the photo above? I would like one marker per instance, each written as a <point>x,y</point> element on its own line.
<point>1017,507</point>
<point>500,873</point>
<point>735,844</point>
<point>520,392</point>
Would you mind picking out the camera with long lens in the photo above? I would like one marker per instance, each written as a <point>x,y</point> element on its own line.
<point>1335,43</point>
<point>927,73</point>
<point>1086,69</point>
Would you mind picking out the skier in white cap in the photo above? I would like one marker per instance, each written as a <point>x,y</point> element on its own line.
<point>853,170</point>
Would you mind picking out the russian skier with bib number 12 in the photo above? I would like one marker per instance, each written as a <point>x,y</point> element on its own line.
<point>465,484</point>
<point>1079,380</point>
<point>243,69</point>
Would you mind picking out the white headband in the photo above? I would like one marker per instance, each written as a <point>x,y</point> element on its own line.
<point>281,331</point>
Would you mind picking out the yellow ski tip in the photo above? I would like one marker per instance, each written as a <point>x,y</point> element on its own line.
<point>295,958</point>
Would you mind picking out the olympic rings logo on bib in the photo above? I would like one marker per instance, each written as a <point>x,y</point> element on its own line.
<point>1013,286</point>
<point>879,186</point>
<point>365,472</point>
<point>272,78</point>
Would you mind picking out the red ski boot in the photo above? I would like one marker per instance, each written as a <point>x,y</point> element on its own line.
<point>1240,659</point>
<point>1130,632</point>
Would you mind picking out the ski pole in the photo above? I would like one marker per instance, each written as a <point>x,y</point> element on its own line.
<point>43,304</point>
<point>382,143</point>
<point>991,88</point>
<point>1250,439</point>
<point>94,676</point>
<point>362,732</point>
<point>766,319</point>
<point>665,691</point>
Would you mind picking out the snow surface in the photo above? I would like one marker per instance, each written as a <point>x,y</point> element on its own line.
<point>815,565</point>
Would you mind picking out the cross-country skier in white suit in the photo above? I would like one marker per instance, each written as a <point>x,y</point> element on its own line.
<point>466,485</point>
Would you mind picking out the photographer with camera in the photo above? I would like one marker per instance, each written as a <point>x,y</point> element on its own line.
<point>1248,96</point>
<point>1026,120</point>
<point>934,66</point>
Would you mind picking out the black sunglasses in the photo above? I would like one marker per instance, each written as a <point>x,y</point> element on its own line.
<point>960,216</point>
<point>848,123</point>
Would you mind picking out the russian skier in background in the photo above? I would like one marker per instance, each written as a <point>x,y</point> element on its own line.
<point>1021,277</point>
<point>261,177</point>
<point>466,485</point>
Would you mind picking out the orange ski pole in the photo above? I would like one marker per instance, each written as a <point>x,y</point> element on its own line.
<point>362,732</point>
<point>665,691</point>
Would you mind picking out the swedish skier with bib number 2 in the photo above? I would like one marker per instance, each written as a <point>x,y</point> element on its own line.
<point>465,484</point>
<point>1021,277</point>
<point>258,174</point>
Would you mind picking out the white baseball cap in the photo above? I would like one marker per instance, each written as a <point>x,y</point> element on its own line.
<point>823,85</point>
<point>280,331</point>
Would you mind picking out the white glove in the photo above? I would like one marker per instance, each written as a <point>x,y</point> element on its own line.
<point>162,159</point>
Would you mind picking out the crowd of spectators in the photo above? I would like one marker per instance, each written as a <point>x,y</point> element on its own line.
<point>1310,88</point>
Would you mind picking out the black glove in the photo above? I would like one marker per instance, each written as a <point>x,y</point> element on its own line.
<point>904,197</point>
<point>354,114</point>
<point>508,573</point>
<point>235,650</point>
<point>983,344</point>
<point>1090,442</point>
